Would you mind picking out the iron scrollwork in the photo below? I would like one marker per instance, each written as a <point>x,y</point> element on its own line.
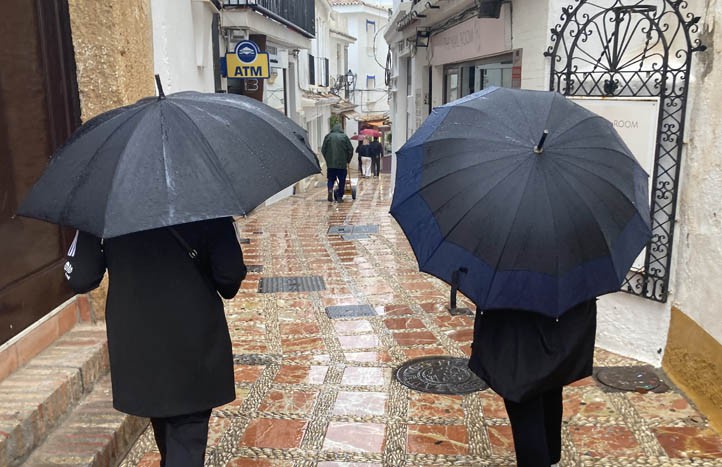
<point>635,48</point>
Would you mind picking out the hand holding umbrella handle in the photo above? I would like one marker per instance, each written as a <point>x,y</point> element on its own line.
<point>538,149</point>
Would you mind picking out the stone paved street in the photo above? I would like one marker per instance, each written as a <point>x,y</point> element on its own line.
<point>312,390</point>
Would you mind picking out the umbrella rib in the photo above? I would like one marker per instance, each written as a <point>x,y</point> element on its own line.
<point>506,240</point>
<point>75,188</point>
<point>461,217</point>
<point>223,173</point>
<point>595,174</point>
<point>591,212</point>
<point>576,124</point>
<point>261,160</point>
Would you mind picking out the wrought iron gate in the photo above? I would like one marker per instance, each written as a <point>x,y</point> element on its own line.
<point>635,48</point>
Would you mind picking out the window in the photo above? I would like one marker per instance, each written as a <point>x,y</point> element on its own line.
<point>325,72</point>
<point>370,81</point>
<point>370,25</point>
<point>311,69</point>
<point>467,78</point>
<point>408,77</point>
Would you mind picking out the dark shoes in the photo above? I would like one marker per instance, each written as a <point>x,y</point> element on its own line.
<point>330,196</point>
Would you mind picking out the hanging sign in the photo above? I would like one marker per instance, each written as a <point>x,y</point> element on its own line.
<point>247,61</point>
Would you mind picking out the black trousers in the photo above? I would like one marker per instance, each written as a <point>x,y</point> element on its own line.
<point>375,165</point>
<point>536,425</point>
<point>182,439</point>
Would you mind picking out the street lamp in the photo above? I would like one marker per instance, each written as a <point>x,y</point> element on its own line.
<point>349,82</point>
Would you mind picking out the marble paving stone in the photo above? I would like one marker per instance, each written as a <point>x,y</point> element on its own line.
<point>345,328</point>
<point>358,342</point>
<point>423,404</point>
<point>438,439</point>
<point>273,433</point>
<point>288,401</point>
<point>316,391</point>
<point>354,376</point>
<point>688,441</point>
<point>354,437</point>
<point>298,374</point>
<point>360,403</point>
<point>599,441</point>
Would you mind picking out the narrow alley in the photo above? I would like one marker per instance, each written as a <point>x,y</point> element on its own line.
<point>316,390</point>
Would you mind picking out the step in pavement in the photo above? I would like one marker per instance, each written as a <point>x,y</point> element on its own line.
<point>54,388</point>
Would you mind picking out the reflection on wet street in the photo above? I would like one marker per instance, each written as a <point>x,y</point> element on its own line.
<point>314,369</point>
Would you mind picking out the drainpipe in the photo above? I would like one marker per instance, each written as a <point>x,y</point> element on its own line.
<point>215,29</point>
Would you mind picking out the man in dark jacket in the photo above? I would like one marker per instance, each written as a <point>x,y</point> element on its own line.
<point>338,151</point>
<point>375,151</point>
<point>170,350</point>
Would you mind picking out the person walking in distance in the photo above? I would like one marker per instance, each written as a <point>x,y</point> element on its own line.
<point>170,349</point>
<point>375,151</point>
<point>361,152</point>
<point>337,150</point>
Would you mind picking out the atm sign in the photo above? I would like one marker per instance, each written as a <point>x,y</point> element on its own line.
<point>247,61</point>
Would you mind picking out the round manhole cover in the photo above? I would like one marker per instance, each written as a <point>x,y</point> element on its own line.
<point>628,378</point>
<point>439,375</point>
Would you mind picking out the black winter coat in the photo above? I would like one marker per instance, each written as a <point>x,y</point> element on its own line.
<point>170,350</point>
<point>521,354</point>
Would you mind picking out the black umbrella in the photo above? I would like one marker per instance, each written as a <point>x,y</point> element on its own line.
<point>169,160</point>
<point>529,200</point>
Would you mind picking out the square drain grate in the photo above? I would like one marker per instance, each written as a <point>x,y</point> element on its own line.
<point>353,232</point>
<point>366,229</point>
<point>340,229</point>
<point>349,311</point>
<point>354,236</point>
<point>291,284</point>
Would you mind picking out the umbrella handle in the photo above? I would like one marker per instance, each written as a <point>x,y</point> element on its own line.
<point>455,286</point>
<point>538,149</point>
<point>161,94</point>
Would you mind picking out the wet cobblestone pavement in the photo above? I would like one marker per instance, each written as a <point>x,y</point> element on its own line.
<point>314,390</point>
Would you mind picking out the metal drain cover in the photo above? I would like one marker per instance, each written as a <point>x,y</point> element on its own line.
<point>254,267</point>
<point>629,378</point>
<point>291,284</point>
<point>439,375</point>
<point>350,311</point>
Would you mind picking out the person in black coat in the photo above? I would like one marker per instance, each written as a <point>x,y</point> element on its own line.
<point>376,151</point>
<point>527,358</point>
<point>168,340</point>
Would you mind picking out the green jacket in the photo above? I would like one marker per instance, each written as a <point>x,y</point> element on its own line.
<point>337,148</point>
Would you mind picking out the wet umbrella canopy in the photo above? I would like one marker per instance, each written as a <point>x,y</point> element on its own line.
<point>532,201</point>
<point>170,160</point>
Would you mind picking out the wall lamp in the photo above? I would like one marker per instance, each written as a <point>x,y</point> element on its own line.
<point>422,38</point>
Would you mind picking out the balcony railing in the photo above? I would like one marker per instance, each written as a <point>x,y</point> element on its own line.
<point>296,14</point>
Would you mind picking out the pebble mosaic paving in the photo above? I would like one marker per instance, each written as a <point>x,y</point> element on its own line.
<point>317,391</point>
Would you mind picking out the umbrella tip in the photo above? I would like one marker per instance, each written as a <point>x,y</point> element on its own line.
<point>539,148</point>
<point>161,94</point>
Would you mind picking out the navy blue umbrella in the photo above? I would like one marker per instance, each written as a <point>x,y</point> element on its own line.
<point>525,198</point>
<point>169,160</point>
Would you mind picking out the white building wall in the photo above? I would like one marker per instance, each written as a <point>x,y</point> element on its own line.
<point>697,289</point>
<point>367,56</point>
<point>182,46</point>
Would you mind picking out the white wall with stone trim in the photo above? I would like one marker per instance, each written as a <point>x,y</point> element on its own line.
<point>182,45</point>
<point>698,285</point>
